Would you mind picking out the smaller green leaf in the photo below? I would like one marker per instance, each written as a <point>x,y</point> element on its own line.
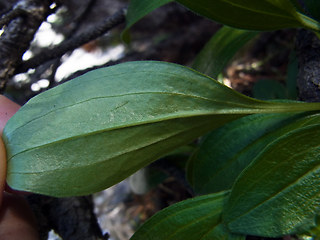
<point>220,49</point>
<point>252,14</point>
<point>226,151</point>
<point>138,9</point>
<point>193,219</point>
<point>263,15</point>
<point>278,193</point>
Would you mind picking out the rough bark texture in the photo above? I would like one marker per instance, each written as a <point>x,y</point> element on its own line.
<point>71,218</point>
<point>18,35</point>
<point>73,43</point>
<point>308,51</point>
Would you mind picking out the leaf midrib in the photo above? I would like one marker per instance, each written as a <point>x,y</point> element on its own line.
<point>255,10</point>
<point>280,191</point>
<point>114,156</point>
<point>207,201</point>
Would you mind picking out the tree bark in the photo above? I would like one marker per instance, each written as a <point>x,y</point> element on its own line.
<point>72,218</point>
<point>18,34</point>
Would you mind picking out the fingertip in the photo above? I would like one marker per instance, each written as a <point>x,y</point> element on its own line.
<point>7,109</point>
<point>17,220</point>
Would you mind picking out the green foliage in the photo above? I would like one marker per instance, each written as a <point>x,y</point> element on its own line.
<point>138,9</point>
<point>227,151</point>
<point>269,162</point>
<point>278,193</point>
<point>220,49</point>
<point>95,121</point>
<point>197,218</point>
<point>94,131</point>
<point>252,14</point>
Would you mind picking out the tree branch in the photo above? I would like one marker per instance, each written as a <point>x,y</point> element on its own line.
<point>6,18</point>
<point>72,218</point>
<point>75,42</point>
<point>18,34</point>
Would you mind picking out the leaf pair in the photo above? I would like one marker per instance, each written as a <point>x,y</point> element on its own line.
<point>92,132</point>
<point>279,193</point>
<point>277,158</point>
<point>227,151</point>
<point>274,162</point>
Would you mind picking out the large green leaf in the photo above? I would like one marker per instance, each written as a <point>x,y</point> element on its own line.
<point>94,131</point>
<point>246,14</point>
<point>228,150</point>
<point>198,218</point>
<point>220,49</point>
<point>279,193</point>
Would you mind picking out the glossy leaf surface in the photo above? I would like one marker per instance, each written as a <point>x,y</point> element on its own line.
<point>94,131</point>
<point>193,219</point>
<point>255,15</point>
<point>252,14</point>
<point>278,193</point>
<point>228,150</point>
<point>220,49</point>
